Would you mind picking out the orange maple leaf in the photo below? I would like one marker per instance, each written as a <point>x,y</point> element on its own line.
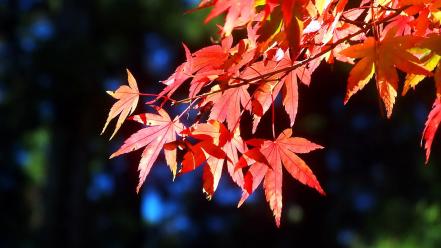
<point>128,97</point>
<point>382,58</point>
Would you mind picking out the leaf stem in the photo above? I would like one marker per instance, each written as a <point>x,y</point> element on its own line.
<point>273,114</point>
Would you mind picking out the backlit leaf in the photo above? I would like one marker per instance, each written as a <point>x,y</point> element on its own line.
<point>128,97</point>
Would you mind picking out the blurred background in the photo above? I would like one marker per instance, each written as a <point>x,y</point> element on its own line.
<point>58,188</point>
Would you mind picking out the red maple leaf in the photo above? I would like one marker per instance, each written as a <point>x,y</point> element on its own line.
<point>228,105</point>
<point>159,131</point>
<point>268,90</point>
<point>431,127</point>
<point>293,26</point>
<point>282,151</point>
<point>212,136</point>
<point>243,74</point>
<point>217,146</point>
<point>238,14</point>
<point>232,148</point>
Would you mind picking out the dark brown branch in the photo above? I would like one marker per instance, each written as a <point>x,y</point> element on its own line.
<point>299,63</point>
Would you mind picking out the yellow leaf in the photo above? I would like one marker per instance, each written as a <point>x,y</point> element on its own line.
<point>321,5</point>
<point>259,2</point>
<point>437,16</point>
<point>413,80</point>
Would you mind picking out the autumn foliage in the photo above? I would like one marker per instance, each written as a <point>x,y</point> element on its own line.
<point>270,48</point>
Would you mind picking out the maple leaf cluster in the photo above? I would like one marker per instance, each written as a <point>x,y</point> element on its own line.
<point>285,42</point>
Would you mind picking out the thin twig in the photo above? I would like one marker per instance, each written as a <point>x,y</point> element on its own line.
<point>273,114</point>
<point>356,23</point>
<point>299,63</point>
